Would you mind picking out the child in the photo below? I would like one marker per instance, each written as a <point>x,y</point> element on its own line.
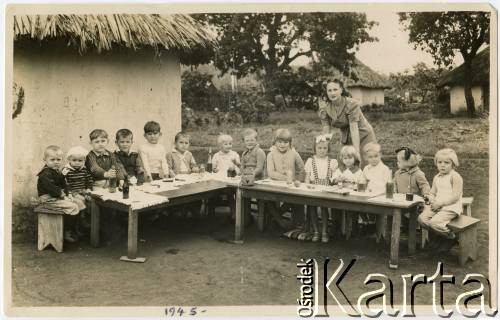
<point>348,172</point>
<point>53,190</point>
<point>376,172</point>
<point>319,169</point>
<point>79,179</point>
<point>445,198</point>
<point>129,162</point>
<point>253,158</point>
<point>100,162</point>
<point>285,164</point>
<point>153,155</point>
<point>181,160</point>
<point>226,158</point>
<point>409,178</point>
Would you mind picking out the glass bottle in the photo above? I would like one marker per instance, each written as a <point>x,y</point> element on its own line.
<point>209,161</point>
<point>126,188</point>
<point>389,187</point>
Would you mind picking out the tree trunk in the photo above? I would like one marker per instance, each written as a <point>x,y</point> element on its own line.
<point>469,99</point>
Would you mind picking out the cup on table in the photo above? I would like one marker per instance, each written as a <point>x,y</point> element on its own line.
<point>289,177</point>
<point>361,187</point>
<point>409,197</point>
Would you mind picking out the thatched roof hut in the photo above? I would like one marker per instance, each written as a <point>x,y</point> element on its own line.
<point>363,76</point>
<point>176,33</point>
<point>480,83</point>
<point>480,71</point>
<point>75,73</point>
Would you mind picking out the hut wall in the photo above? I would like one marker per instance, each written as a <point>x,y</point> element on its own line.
<point>457,98</point>
<point>67,95</point>
<point>367,95</point>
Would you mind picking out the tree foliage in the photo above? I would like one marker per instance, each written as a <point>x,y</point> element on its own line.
<point>422,82</point>
<point>269,42</point>
<point>443,34</point>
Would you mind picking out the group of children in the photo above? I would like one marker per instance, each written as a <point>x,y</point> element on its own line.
<point>65,188</point>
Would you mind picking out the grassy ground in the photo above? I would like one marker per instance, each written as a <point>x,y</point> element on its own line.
<point>424,134</point>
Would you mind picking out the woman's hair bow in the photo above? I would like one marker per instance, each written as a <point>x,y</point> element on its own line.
<point>323,138</point>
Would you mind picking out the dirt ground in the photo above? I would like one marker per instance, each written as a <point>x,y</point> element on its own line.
<point>193,263</point>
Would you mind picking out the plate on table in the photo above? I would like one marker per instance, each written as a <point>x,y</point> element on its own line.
<point>168,180</point>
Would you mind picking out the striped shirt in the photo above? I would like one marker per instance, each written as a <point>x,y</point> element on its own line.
<point>98,164</point>
<point>78,179</point>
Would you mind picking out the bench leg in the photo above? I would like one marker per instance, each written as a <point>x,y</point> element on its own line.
<point>395,233</point>
<point>240,218</point>
<point>50,231</point>
<point>467,245</point>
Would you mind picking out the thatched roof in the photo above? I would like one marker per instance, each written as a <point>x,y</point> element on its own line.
<point>480,71</point>
<point>177,32</point>
<point>360,75</point>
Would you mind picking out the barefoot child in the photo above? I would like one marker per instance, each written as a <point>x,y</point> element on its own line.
<point>53,191</point>
<point>319,170</point>
<point>445,199</point>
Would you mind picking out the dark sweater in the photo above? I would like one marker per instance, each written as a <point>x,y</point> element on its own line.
<point>52,182</point>
<point>129,164</point>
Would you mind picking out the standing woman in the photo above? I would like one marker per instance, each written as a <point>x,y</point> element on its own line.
<point>337,110</point>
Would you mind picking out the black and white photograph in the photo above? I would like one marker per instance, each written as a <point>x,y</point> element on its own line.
<point>219,160</point>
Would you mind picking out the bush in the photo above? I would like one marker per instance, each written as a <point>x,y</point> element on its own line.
<point>198,91</point>
<point>253,108</point>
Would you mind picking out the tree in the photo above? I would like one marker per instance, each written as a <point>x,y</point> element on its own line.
<point>421,82</point>
<point>269,42</point>
<point>442,34</point>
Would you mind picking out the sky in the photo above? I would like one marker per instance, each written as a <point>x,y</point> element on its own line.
<point>391,53</point>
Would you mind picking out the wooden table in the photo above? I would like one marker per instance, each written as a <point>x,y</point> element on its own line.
<point>331,200</point>
<point>185,194</point>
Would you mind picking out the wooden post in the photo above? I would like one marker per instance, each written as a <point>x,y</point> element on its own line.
<point>240,217</point>
<point>395,232</point>
<point>95,217</point>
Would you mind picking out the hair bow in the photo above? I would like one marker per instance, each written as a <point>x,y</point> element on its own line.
<point>323,138</point>
<point>408,152</point>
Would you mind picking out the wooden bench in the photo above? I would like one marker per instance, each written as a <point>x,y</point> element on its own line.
<point>50,228</point>
<point>466,229</point>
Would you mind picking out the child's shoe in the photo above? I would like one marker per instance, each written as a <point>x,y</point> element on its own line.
<point>316,237</point>
<point>325,238</point>
<point>69,237</point>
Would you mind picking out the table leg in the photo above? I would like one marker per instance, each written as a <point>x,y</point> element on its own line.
<point>261,216</point>
<point>381,225</point>
<point>395,232</point>
<point>240,217</point>
<point>343,223</point>
<point>133,221</point>
<point>412,232</point>
<point>348,227</point>
<point>94,223</point>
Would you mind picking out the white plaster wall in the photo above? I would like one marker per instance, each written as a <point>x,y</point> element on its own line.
<point>367,96</point>
<point>67,95</point>
<point>457,98</point>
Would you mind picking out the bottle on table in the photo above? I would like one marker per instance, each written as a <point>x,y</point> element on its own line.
<point>112,182</point>
<point>389,187</point>
<point>361,183</point>
<point>209,161</point>
<point>126,188</point>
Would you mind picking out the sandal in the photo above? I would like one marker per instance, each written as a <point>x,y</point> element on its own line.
<point>325,238</point>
